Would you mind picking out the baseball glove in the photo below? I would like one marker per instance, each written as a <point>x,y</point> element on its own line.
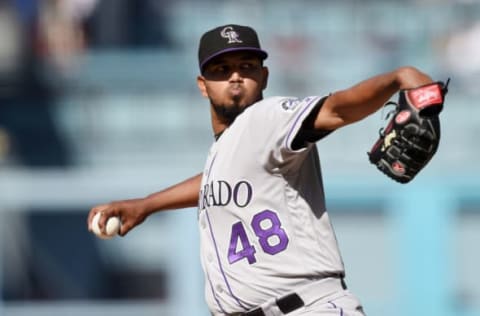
<point>411,137</point>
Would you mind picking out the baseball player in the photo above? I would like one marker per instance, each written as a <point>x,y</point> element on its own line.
<point>267,245</point>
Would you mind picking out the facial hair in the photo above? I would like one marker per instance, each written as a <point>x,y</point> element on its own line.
<point>226,113</point>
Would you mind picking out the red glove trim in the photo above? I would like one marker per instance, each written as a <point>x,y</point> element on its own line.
<point>425,96</point>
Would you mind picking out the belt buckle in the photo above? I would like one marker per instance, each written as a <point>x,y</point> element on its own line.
<point>255,312</point>
<point>286,304</point>
<point>289,303</point>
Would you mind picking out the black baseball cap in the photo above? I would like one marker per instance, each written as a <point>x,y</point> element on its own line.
<point>228,38</point>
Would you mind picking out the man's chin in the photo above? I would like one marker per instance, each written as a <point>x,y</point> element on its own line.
<point>228,113</point>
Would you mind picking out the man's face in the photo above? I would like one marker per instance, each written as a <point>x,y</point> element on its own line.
<point>232,82</point>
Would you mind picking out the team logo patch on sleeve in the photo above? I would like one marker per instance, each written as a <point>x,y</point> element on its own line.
<point>289,104</point>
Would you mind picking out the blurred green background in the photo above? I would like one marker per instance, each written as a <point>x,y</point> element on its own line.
<point>98,102</point>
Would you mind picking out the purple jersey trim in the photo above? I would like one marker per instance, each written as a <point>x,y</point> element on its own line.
<point>216,250</point>
<point>208,275</point>
<point>210,168</point>
<point>263,54</point>
<point>215,296</point>
<point>335,306</point>
<point>220,263</point>
<point>297,119</point>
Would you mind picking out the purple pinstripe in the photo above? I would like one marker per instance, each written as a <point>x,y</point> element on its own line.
<point>220,263</point>
<point>208,275</point>
<point>215,296</point>
<point>335,306</point>
<point>216,252</point>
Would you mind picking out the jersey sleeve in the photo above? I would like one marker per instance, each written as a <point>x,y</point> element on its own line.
<point>307,133</point>
<point>279,121</point>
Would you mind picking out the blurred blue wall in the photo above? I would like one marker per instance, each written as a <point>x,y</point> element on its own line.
<point>123,118</point>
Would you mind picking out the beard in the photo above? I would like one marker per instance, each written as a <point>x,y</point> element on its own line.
<point>228,113</point>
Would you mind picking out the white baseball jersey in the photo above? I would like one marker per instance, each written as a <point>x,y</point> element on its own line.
<point>264,229</point>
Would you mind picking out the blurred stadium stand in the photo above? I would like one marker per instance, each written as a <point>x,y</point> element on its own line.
<point>125,119</point>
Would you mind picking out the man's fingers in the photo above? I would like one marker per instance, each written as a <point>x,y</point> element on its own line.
<point>91,214</point>
<point>102,220</point>
<point>105,211</point>
<point>89,220</point>
<point>124,229</point>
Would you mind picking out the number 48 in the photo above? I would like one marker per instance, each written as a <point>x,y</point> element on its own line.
<point>266,225</point>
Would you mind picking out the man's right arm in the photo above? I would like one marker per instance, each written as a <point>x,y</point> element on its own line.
<point>135,211</point>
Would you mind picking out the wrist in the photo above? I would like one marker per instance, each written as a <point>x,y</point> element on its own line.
<point>409,77</point>
<point>144,206</point>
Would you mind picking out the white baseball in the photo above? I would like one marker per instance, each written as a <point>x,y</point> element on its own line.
<point>112,227</point>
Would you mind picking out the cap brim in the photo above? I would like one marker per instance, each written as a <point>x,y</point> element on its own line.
<point>263,54</point>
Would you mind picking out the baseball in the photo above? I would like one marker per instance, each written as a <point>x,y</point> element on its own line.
<point>112,228</point>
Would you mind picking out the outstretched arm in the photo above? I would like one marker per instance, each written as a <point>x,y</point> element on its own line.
<point>355,103</point>
<point>135,211</point>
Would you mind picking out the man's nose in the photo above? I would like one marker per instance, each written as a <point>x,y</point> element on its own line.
<point>236,75</point>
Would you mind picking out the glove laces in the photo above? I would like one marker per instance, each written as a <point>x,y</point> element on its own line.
<point>388,115</point>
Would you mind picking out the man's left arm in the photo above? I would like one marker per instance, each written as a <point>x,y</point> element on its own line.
<point>411,137</point>
<point>357,102</point>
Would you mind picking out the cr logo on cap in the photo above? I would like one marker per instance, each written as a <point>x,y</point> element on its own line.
<point>229,32</point>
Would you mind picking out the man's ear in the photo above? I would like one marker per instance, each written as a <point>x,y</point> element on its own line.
<point>201,86</point>
<point>265,78</point>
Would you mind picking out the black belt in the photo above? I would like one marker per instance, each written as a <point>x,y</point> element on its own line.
<point>286,304</point>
